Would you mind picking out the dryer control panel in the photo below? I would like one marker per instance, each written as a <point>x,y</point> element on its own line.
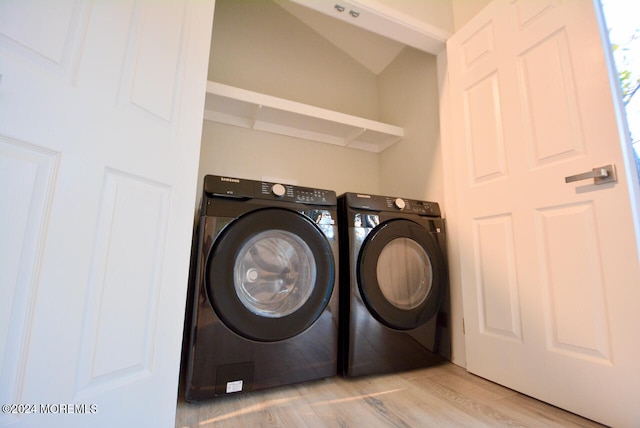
<point>392,204</point>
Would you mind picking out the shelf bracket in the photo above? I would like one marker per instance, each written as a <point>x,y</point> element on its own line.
<point>254,116</point>
<point>351,137</point>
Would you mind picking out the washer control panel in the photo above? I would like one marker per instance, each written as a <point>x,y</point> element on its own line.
<point>229,187</point>
<point>305,195</point>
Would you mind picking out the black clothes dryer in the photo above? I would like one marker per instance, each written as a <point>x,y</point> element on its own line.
<point>263,303</point>
<point>393,285</point>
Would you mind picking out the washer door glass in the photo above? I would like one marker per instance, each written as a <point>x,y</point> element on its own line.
<point>270,274</point>
<point>405,274</point>
<point>274,273</point>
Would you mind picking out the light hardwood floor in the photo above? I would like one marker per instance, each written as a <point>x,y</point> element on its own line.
<point>442,396</point>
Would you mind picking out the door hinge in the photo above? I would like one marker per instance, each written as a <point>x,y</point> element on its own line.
<point>464,331</point>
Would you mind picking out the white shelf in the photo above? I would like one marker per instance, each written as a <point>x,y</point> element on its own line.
<point>248,109</point>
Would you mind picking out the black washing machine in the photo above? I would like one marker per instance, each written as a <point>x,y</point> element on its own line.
<point>263,301</point>
<point>394,292</point>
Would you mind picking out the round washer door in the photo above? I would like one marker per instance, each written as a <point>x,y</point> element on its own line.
<point>270,274</point>
<point>401,274</point>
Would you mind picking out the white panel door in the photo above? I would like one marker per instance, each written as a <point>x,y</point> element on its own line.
<point>101,106</point>
<point>549,270</point>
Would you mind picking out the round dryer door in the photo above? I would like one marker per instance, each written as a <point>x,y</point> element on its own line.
<point>270,274</point>
<point>401,274</point>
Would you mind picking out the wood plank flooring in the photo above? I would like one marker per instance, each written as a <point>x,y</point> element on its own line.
<point>441,396</point>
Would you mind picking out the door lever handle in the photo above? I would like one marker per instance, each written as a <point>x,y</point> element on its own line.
<point>600,175</point>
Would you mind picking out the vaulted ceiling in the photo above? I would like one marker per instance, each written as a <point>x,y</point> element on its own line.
<point>371,50</point>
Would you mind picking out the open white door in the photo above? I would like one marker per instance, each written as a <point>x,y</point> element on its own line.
<point>549,269</point>
<point>101,106</point>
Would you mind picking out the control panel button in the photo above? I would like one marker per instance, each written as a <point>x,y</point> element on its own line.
<point>278,190</point>
<point>399,203</point>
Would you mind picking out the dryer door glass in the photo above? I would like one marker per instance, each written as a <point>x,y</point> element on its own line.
<point>274,273</point>
<point>401,274</point>
<point>405,275</point>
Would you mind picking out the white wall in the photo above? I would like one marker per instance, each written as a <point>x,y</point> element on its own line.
<point>408,90</point>
<point>261,47</point>
<point>239,152</point>
<point>256,45</point>
<point>464,10</point>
